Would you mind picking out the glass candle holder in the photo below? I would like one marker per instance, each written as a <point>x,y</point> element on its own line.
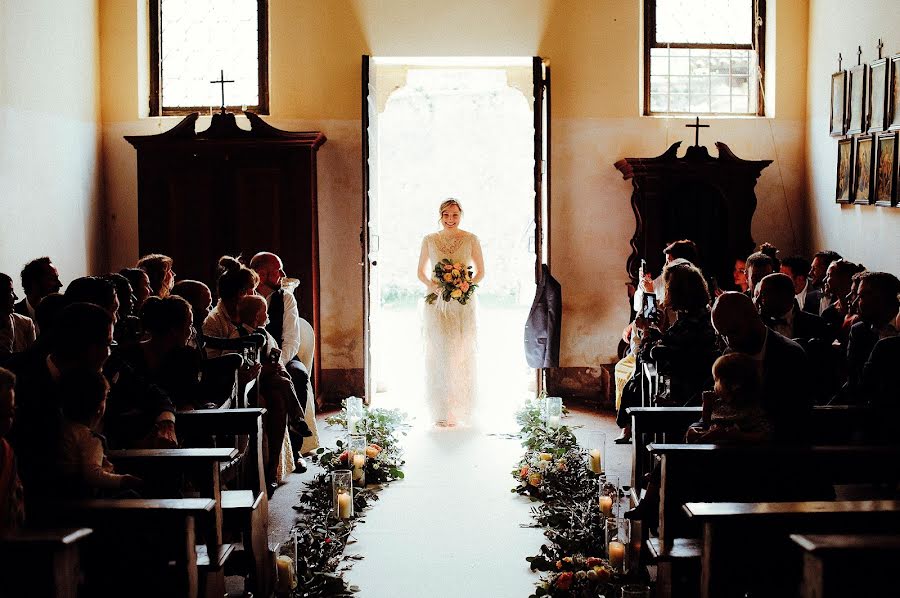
<point>635,591</point>
<point>356,458</point>
<point>618,541</point>
<point>342,493</point>
<point>596,452</point>
<point>607,497</point>
<point>553,412</point>
<point>355,416</point>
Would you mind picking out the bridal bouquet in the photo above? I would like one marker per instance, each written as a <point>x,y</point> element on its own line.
<point>454,280</point>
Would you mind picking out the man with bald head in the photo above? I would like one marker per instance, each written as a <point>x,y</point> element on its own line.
<point>783,363</point>
<point>284,326</point>
<point>777,304</point>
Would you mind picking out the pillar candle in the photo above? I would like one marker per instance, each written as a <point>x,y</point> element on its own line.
<point>595,463</point>
<point>359,464</point>
<point>616,554</point>
<point>353,424</point>
<point>606,503</point>
<point>553,421</point>
<point>286,581</point>
<point>345,505</point>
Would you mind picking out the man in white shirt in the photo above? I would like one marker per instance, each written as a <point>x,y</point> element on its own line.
<point>284,326</point>
<point>808,298</point>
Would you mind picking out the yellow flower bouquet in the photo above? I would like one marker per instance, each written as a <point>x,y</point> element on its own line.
<point>454,280</point>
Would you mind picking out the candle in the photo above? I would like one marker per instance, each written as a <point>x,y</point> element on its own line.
<point>353,424</point>
<point>359,463</point>
<point>606,503</point>
<point>595,463</point>
<point>286,578</point>
<point>345,505</point>
<point>553,421</point>
<point>616,554</point>
<point>546,456</point>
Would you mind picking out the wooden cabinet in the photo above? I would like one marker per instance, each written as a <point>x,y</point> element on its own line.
<point>230,191</point>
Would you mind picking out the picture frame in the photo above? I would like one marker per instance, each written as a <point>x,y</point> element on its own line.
<point>844,171</point>
<point>857,89</point>
<point>878,95</point>
<point>894,94</point>
<point>838,103</point>
<point>884,175</point>
<point>861,187</point>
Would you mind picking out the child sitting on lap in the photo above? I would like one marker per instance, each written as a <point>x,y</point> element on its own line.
<point>85,468</point>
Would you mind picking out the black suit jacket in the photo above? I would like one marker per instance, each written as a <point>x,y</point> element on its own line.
<point>808,325</point>
<point>879,379</point>
<point>544,324</point>
<point>812,300</point>
<point>785,396</point>
<point>860,343</point>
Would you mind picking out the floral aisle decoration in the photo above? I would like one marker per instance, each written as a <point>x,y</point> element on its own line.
<point>319,538</point>
<point>553,473</point>
<point>454,282</point>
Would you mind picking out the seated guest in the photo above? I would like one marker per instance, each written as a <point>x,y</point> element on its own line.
<point>839,293</point>
<point>759,265</point>
<point>684,249</point>
<point>879,383</point>
<point>797,268</point>
<point>16,331</point>
<point>276,387</point>
<point>200,298</point>
<point>81,340</point>
<point>159,271</point>
<point>740,275</point>
<point>140,287</point>
<point>879,300</point>
<point>235,281</point>
<point>785,368</point>
<point>39,279</point>
<point>12,505</point>
<point>164,359</point>
<point>86,471</point>
<point>96,290</point>
<point>47,313</point>
<point>128,325</point>
<point>686,349</point>
<point>777,304</point>
<point>732,412</point>
<point>819,268</point>
<point>771,251</point>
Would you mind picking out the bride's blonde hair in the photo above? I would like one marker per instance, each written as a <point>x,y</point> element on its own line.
<point>450,201</point>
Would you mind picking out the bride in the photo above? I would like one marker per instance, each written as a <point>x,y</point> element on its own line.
<point>449,327</point>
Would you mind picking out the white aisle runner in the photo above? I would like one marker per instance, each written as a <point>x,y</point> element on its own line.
<point>452,527</point>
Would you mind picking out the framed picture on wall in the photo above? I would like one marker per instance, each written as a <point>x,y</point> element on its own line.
<point>856,120</point>
<point>861,189</point>
<point>839,103</point>
<point>878,95</point>
<point>844,171</point>
<point>884,178</point>
<point>894,95</point>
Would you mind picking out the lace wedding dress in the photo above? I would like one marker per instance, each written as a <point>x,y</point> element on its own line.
<point>449,331</point>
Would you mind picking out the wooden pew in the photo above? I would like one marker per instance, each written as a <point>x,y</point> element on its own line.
<point>747,547</point>
<point>655,424</point>
<point>836,565</point>
<point>710,473</point>
<point>124,529</point>
<point>41,563</point>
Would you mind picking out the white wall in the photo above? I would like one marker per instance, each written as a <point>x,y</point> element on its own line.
<point>50,197</point>
<point>866,234</point>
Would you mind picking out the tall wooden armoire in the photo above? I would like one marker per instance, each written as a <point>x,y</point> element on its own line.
<point>230,191</point>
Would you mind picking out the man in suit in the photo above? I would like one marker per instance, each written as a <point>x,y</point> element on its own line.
<point>758,266</point>
<point>783,363</point>
<point>817,271</point>
<point>879,378</point>
<point>284,326</point>
<point>878,302</point>
<point>39,278</point>
<point>777,304</point>
<point>797,268</point>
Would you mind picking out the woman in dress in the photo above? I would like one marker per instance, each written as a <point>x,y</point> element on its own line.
<point>449,327</point>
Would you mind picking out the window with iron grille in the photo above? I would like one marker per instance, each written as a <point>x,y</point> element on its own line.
<point>704,57</point>
<point>192,41</point>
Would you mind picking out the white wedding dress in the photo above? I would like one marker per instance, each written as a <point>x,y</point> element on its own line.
<point>449,332</point>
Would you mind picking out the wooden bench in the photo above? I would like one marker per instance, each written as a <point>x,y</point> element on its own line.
<point>747,546</point>
<point>836,566</point>
<point>711,473</point>
<point>41,562</point>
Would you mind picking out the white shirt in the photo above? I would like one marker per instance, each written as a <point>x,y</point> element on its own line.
<point>217,323</point>
<point>290,327</point>
<point>659,289</point>
<point>801,296</point>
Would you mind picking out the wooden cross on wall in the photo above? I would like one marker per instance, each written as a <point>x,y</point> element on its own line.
<point>697,126</point>
<point>223,81</point>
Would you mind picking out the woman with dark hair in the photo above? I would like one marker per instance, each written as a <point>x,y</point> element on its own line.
<point>159,273</point>
<point>140,287</point>
<point>277,394</point>
<point>164,359</point>
<point>682,344</point>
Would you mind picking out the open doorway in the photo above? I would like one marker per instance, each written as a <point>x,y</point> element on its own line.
<point>440,128</point>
